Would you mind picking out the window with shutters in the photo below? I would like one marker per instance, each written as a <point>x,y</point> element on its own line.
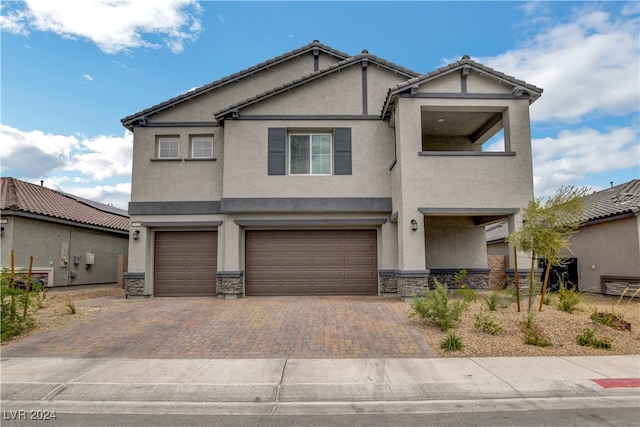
<point>310,154</point>
<point>297,152</point>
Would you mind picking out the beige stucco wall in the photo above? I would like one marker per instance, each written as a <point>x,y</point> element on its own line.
<point>169,180</point>
<point>454,242</point>
<point>44,240</point>
<point>245,162</point>
<point>607,249</point>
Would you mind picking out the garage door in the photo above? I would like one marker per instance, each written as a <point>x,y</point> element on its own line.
<point>185,263</point>
<point>311,262</point>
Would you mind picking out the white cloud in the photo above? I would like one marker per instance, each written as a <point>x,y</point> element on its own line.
<point>88,77</point>
<point>586,66</point>
<point>113,25</point>
<point>115,195</point>
<point>103,157</point>
<point>35,154</point>
<point>574,154</point>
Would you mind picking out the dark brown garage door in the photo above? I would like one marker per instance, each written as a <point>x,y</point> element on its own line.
<point>185,263</point>
<point>311,262</point>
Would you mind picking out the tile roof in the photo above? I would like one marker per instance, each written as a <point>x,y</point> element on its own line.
<point>21,196</point>
<point>464,62</point>
<point>129,120</point>
<point>315,75</point>
<point>619,200</point>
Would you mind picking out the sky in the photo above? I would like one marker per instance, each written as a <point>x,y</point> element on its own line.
<point>71,70</point>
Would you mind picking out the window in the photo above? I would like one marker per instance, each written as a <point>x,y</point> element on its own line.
<point>169,148</point>
<point>202,147</point>
<point>310,154</point>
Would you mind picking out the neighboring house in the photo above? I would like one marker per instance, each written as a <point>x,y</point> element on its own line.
<point>322,173</point>
<point>73,241</point>
<point>607,245</point>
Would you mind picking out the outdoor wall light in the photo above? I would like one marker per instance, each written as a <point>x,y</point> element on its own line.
<point>136,235</point>
<point>414,225</point>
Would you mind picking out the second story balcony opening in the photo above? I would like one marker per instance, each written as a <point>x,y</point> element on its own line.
<point>463,131</point>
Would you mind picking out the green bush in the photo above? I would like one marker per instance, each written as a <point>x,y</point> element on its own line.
<point>451,342</point>
<point>468,295</point>
<point>588,338</point>
<point>434,305</point>
<point>486,323</point>
<point>15,314</point>
<point>493,300</point>
<point>534,337</point>
<point>568,299</point>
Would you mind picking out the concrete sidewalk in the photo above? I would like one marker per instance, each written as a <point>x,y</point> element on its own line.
<point>269,385</point>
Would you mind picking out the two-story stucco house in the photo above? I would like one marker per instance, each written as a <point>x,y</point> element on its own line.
<point>323,173</point>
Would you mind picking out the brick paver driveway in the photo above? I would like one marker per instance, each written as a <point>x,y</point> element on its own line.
<point>252,327</point>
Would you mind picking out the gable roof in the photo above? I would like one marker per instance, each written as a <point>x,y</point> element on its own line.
<point>534,91</point>
<point>358,59</point>
<point>129,121</point>
<point>21,196</point>
<point>623,199</point>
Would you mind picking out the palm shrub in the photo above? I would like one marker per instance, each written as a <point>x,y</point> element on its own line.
<point>435,306</point>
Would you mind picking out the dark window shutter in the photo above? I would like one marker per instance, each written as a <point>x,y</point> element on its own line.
<point>277,151</point>
<point>342,151</point>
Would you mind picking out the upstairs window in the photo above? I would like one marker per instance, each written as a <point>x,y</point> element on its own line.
<point>310,154</point>
<point>169,148</point>
<point>202,147</point>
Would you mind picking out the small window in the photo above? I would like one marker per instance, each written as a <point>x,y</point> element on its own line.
<point>202,147</point>
<point>310,154</point>
<point>168,148</point>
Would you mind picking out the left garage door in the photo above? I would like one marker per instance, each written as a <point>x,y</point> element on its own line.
<point>185,263</point>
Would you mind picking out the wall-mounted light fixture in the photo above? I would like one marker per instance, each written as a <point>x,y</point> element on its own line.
<point>414,225</point>
<point>136,235</point>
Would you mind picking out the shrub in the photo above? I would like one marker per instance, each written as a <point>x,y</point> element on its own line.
<point>568,299</point>
<point>493,300</point>
<point>434,305</point>
<point>588,338</point>
<point>451,342</point>
<point>532,334</point>
<point>71,307</point>
<point>486,323</point>
<point>468,295</point>
<point>15,311</point>
<point>534,337</point>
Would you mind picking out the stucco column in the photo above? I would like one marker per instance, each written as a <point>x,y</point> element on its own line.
<point>230,275</point>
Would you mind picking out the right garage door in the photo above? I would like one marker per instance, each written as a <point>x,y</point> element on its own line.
<point>311,262</point>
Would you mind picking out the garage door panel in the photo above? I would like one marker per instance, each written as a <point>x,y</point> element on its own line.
<point>328,261</point>
<point>328,247</point>
<point>355,261</point>
<point>185,263</point>
<point>296,261</point>
<point>311,262</point>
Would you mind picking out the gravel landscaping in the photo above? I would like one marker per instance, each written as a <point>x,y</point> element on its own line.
<point>559,328</point>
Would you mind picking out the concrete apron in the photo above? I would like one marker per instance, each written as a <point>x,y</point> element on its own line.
<point>308,385</point>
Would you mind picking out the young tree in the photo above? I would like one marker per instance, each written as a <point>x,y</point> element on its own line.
<point>547,226</point>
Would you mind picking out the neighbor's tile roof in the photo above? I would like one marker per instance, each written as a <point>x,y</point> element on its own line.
<point>614,201</point>
<point>22,196</point>
<point>127,121</point>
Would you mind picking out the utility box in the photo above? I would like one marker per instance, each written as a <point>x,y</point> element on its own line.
<point>89,258</point>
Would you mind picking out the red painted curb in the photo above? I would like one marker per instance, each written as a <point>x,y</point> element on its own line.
<point>618,382</point>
